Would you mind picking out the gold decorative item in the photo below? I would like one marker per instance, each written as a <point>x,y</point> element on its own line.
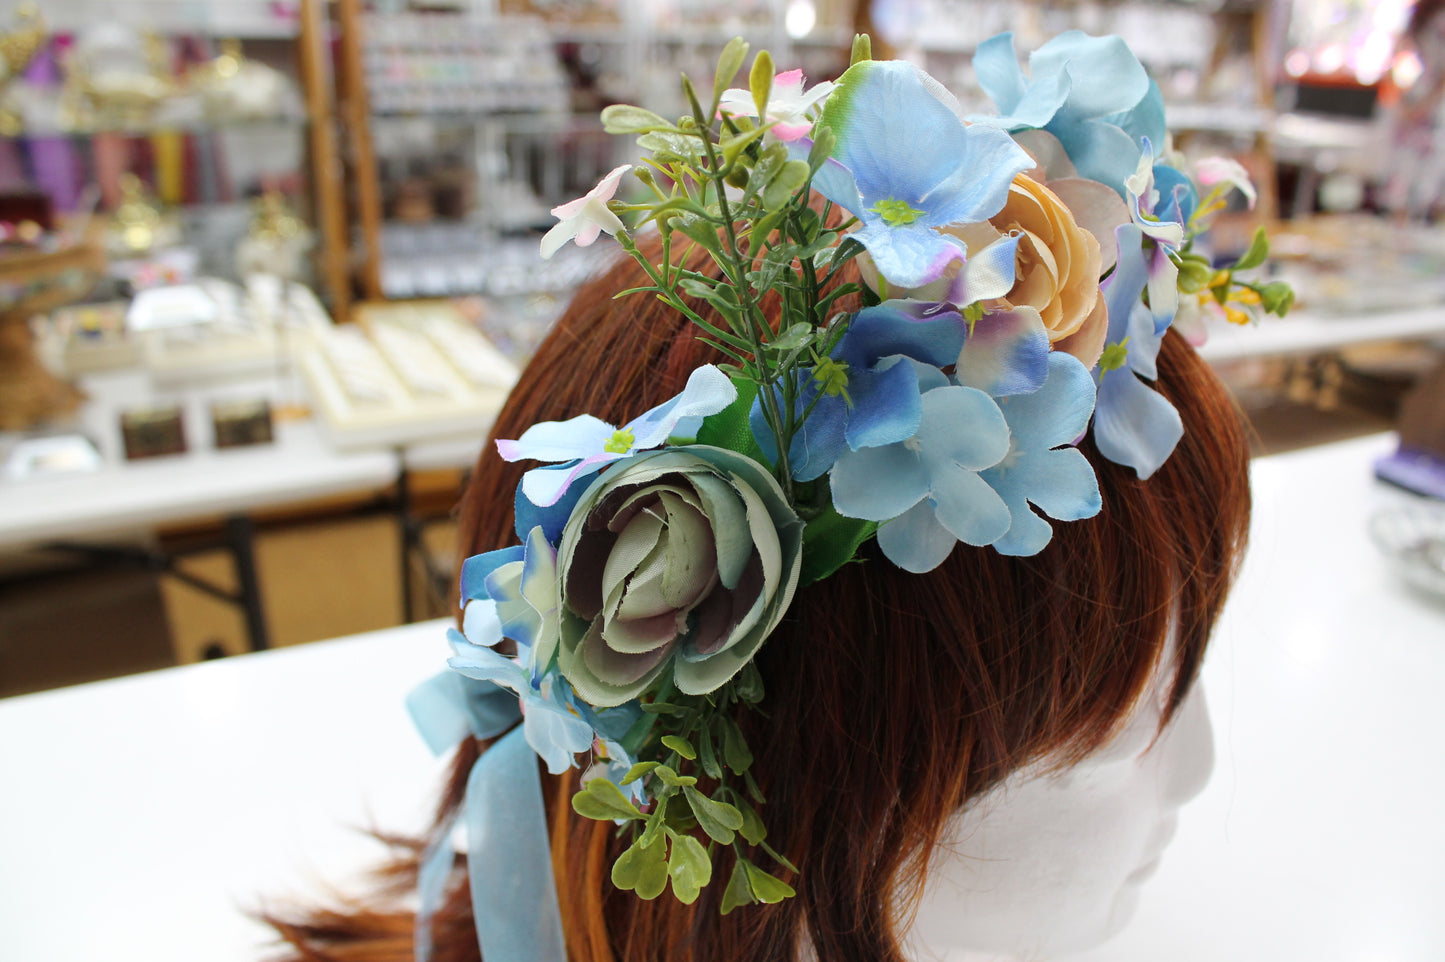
<point>115,79</point>
<point>233,87</point>
<point>276,242</point>
<point>138,225</point>
<point>18,46</point>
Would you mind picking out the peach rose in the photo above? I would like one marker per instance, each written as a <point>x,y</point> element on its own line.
<point>1058,267</point>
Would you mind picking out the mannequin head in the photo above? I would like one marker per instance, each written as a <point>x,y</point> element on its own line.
<point>912,722</point>
<point>1051,861</point>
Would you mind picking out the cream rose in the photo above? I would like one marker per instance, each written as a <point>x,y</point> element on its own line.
<point>1058,265</point>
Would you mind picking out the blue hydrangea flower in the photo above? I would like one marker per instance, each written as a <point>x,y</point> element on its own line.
<point>933,496</point>
<point>1007,352</point>
<point>1089,92</point>
<point>906,165</point>
<point>875,392</point>
<point>1134,425</point>
<point>520,583</point>
<point>553,726</point>
<point>586,444</point>
<point>1042,467</point>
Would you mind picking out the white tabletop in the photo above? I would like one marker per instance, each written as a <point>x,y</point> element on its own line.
<point>140,817</point>
<point>206,481</point>
<point>1310,332</point>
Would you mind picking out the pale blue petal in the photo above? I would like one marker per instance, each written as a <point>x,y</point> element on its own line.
<point>558,440</point>
<point>1145,120</point>
<point>961,426</point>
<point>546,486</point>
<point>1063,485</point>
<point>485,664</point>
<point>877,484</point>
<point>907,256</point>
<point>833,180</point>
<point>1178,197</point>
<point>1006,353</point>
<point>970,509</point>
<point>1163,290</point>
<point>1106,76</point>
<point>478,567</point>
<point>708,391</point>
<point>898,140</point>
<point>915,541</point>
<point>1134,425</point>
<point>555,734</point>
<point>1100,151</point>
<point>988,273</point>
<point>996,69</point>
<point>979,184</point>
<point>1123,288</point>
<point>1058,412</point>
<point>1144,340</point>
<point>886,406</point>
<point>480,623</point>
<point>1028,534</point>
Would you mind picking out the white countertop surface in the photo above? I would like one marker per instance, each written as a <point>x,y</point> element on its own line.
<point>140,818</point>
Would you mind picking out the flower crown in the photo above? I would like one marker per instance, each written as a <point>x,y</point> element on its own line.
<point>1020,272</point>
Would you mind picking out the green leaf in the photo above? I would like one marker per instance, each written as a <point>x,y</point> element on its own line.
<point>862,49</point>
<point>760,81</point>
<point>824,140</point>
<point>735,747</point>
<point>638,771</point>
<point>669,145</point>
<point>829,542</point>
<point>701,232</point>
<point>1258,251</point>
<point>680,745</point>
<point>767,888</point>
<point>707,757</point>
<point>656,822</point>
<point>689,866</point>
<point>790,180</point>
<point>729,62</point>
<point>642,868</point>
<point>670,777</point>
<point>729,427</point>
<point>1277,298</point>
<point>779,858</point>
<point>662,708</point>
<point>737,893</point>
<point>627,119</point>
<point>796,336</point>
<point>748,683</point>
<point>603,801</point>
<point>718,819</point>
<point>752,828</point>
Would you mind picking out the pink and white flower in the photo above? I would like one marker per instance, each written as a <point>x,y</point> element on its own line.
<point>788,105</point>
<point>586,217</point>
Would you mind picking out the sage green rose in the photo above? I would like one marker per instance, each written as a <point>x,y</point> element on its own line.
<point>680,560</point>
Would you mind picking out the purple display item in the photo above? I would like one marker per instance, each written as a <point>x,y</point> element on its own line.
<point>1422,472</point>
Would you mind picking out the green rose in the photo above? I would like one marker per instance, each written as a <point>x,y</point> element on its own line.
<point>685,557</point>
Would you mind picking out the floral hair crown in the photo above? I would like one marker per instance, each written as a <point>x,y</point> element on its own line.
<point>1020,272</point>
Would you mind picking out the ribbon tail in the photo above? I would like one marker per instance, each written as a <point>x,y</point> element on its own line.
<point>432,873</point>
<point>509,860</point>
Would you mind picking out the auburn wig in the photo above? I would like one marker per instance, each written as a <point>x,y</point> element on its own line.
<point>892,698</point>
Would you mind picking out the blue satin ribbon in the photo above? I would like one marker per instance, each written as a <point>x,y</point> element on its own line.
<point>509,861</point>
